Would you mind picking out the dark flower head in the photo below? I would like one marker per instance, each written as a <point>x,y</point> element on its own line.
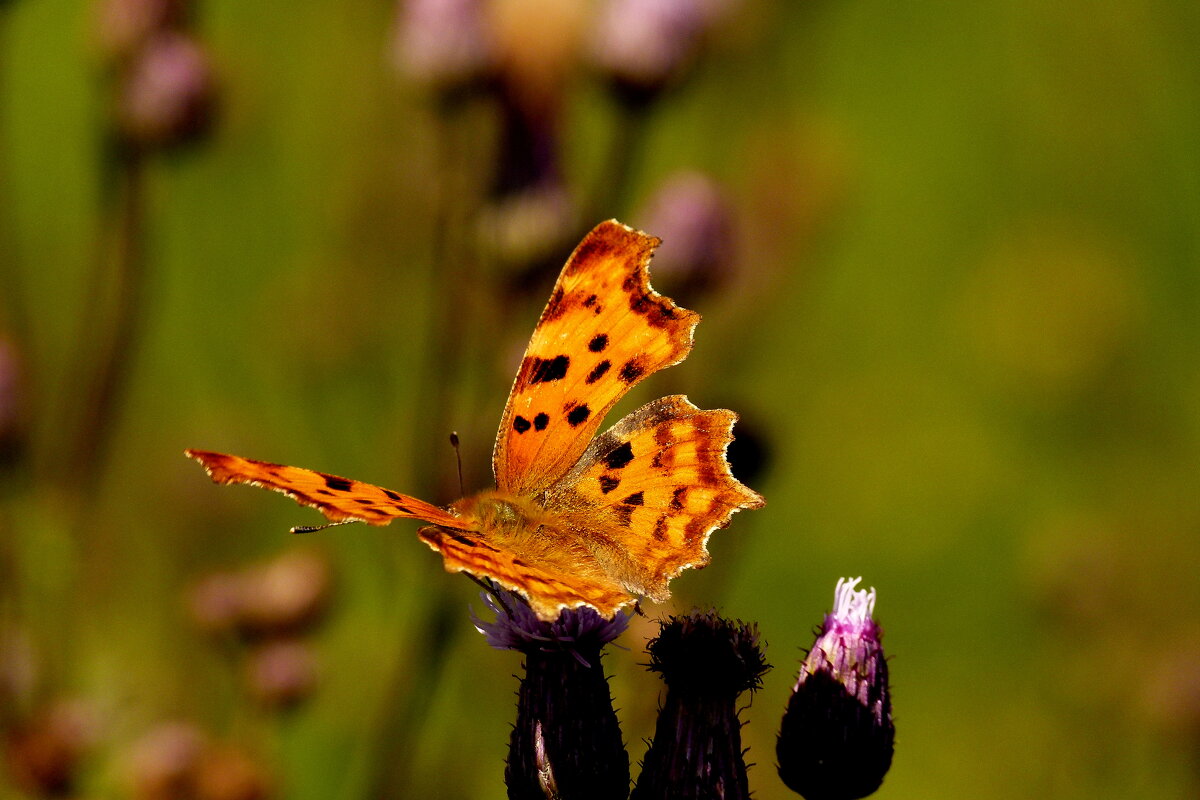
<point>566,741</point>
<point>517,627</point>
<point>837,736</point>
<point>707,654</point>
<point>706,662</point>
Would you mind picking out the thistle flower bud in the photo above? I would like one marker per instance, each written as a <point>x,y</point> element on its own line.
<point>837,736</point>
<point>167,95</point>
<point>443,43</point>
<point>643,46</point>
<point>690,214</point>
<point>566,741</point>
<point>706,662</point>
<point>225,773</point>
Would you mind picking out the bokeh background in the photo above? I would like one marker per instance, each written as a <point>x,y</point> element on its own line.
<point>946,255</point>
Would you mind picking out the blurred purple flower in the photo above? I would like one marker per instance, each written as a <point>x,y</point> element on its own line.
<point>168,95</point>
<point>644,45</point>
<point>837,736</point>
<point>123,26</point>
<point>443,43</point>
<point>690,214</point>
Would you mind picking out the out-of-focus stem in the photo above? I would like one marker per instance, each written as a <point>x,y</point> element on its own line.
<point>110,324</point>
<point>610,196</point>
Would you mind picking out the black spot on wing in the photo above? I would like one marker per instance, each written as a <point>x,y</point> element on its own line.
<point>578,415</point>
<point>598,371</point>
<point>624,515</point>
<point>660,528</point>
<point>391,494</point>
<point>598,343</point>
<point>546,370</point>
<point>635,499</point>
<point>619,457</point>
<point>590,301</point>
<point>679,497</point>
<point>520,425</point>
<point>608,483</point>
<point>632,370</point>
<point>337,484</point>
<point>541,421</point>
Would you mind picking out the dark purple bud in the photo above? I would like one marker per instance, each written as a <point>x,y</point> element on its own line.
<point>837,736</point>
<point>644,46</point>
<point>443,43</point>
<point>167,94</point>
<point>706,662</point>
<point>566,742</point>
<point>690,214</point>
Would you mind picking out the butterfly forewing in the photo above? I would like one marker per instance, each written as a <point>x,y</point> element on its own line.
<point>337,498</point>
<point>660,475</point>
<point>603,331</point>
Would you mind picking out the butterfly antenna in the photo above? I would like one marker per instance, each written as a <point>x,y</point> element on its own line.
<point>458,457</point>
<point>315,528</point>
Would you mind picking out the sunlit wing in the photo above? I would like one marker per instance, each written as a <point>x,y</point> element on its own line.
<point>660,484</point>
<point>603,331</point>
<point>339,499</point>
<point>548,590</point>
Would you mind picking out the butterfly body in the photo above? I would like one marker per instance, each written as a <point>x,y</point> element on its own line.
<point>576,518</point>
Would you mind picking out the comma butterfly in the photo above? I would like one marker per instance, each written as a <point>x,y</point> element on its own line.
<point>576,519</point>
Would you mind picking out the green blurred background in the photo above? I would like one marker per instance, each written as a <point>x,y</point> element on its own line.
<point>960,314</point>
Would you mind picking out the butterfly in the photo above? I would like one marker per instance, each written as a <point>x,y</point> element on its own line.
<point>576,519</point>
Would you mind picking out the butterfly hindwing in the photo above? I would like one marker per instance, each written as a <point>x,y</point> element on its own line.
<point>603,331</point>
<point>661,478</point>
<point>337,498</point>
<point>548,590</point>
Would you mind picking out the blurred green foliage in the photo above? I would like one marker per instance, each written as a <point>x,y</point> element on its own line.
<point>964,321</point>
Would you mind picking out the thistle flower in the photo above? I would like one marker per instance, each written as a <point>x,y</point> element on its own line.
<point>706,662</point>
<point>691,215</point>
<point>837,736</point>
<point>566,741</point>
<point>643,46</point>
<point>167,96</point>
<point>443,43</point>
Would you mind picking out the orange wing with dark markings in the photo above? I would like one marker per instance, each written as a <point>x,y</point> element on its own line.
<point>549,591</point>
<point>659,480</point>
<point>603,331</point>
<point>337,498</point>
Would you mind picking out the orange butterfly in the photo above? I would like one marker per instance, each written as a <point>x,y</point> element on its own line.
<point>576,519</point>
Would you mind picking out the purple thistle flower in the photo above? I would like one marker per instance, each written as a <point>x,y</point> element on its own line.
<point>706,662</point>
<point>443,43</point>
<point>566,742</point>
<point>168,95</point>
<point>837,736</point>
